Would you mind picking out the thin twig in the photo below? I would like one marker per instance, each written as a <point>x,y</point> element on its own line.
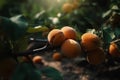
<point>115,41</point>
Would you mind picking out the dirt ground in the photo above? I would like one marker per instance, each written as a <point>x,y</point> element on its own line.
<point>80,69</point>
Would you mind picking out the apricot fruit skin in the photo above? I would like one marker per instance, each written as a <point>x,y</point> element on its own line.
<point>67,7</point>
<point>71,48</point>
<point>56,37</point>
<point>69,32</point>
<point>90,41</point>
<point>37,59</point>
<point>75,4</point>
<point>57,56</point>
<point>113,50</point>
<point>96,57</point>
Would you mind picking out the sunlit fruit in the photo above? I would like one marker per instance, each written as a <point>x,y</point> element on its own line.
<point>56,56</point>
<point>56,37</point>
<point>71,48</point>
<point>67,7</point>
<point>69,32</point>
<point>90,41</point>
<point>7,67</point>
<point>75,4</point>
<point>96,56</point>
<point>37,59</point>
<point>113,50</point>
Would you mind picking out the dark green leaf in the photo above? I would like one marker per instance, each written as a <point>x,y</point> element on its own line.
<point>20,44</point>
<point>52,73</point>
<point>26,71</point>
<point>117,31</point>
<point>22,24</point>
<point>37,29</point>
<point>14,28</point>
<point>106,14</point>
<point>8,27</point>
<point>19,73</point>
<point>108,35</point>
<point>20,20</point>
<point>2,3</point>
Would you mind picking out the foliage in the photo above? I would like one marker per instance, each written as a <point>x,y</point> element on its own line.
<point>26,71</point>
<point>22,19</point>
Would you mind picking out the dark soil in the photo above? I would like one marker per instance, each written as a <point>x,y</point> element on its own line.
<point>80,69</point>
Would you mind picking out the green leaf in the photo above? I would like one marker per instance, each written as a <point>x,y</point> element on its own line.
<point>22,24</point>
<point>106,14</point>
<point>19,73</point>
<point>108,35</point>
<point>26,71</point>
<point>8,27</point>
<point>117,31</point>
<point>52,73</point>
<point>14,28</point>
<point>115,7</point>
<point>2,3</point>
<point>37,29</point>
<point>20,20</point>
<point>21,44</point>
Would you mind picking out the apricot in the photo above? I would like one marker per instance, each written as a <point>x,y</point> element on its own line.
<point>75,4</point>
<point>37,59</point>
<point>56,37</point>
<point>69,32</point>
<point>96,56</point>
<point>113,50</point>
<point>71,48</point>
<point>90,41</point>
<point>67,7</point>
<point>7,67</point>
<point>56,56</point>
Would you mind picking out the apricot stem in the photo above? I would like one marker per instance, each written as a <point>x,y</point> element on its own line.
<point>41,50</point>
<point>34,51</point>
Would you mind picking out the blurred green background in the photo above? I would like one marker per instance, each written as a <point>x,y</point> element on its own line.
<point>90,14</point>
<point>40,16</point>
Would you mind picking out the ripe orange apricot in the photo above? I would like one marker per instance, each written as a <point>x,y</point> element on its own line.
<point>57,56</point>
<point>90,41</point>
<point>69,32</point>
<point>67,7</point>
<point>71,48</point>
<point>96,56</point>
<point>113,50</point>
<point>37,59</point>
<point>56,37</point>
<point>7,67</point>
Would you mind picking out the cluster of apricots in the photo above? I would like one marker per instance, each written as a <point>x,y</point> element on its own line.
<point>91,44</point>
<point>66,38</point>
<point>70,6</point>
